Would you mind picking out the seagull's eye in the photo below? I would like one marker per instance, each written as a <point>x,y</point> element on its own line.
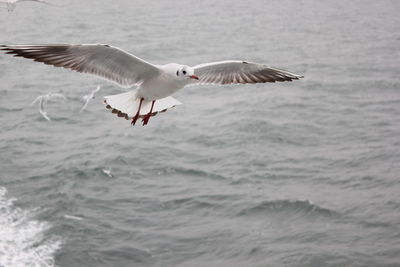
<point>184,72</point>
<point>177,73</point>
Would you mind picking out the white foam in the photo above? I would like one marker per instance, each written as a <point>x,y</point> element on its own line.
<point>22,241</point>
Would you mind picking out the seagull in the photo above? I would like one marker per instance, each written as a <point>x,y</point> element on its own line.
<point>11,4</point>
<point>89,97</point>
<point>66,216</point>
<point>43,99</point>
<point>108,172</point>
<point>154,83</point>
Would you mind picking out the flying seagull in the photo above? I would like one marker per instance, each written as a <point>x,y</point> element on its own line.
<point>89,97</point>
<point>155,83</point>
<point>43,99</point>
<point>11,4</point>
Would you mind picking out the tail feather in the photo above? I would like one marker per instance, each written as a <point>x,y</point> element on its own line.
<point>126,105</point>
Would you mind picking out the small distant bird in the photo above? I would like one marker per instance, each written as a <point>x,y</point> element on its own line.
<point>11,4</point>
<point>43,99</point>
<point>155,83</point>
<point>107,172</point>
<point>66,216</point>
<point>89,97</point>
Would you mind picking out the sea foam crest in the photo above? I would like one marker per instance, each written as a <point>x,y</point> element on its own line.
<point>22,240</point>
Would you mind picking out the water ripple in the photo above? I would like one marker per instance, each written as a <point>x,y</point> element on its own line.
<point>304,207</point>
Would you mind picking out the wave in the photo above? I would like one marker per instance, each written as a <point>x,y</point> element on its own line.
<point>304,207</point>
<point>22,240</point>
<point>208,202</point>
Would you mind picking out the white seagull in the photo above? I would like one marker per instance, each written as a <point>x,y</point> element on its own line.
<point>155,83</point>
<point>11,4</point>
<point>43,99</point>
<point>89,97</point>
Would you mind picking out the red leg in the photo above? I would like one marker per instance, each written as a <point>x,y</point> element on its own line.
<point>148,115</point>
<point>136,117</point>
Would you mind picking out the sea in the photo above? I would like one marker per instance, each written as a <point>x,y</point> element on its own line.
<point>302,173</point>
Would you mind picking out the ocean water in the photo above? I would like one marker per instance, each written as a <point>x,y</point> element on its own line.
<point>288,174</point>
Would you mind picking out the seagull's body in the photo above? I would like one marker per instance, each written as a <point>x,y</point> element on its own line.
<point>155,83</point>
<point>11,4</point>
<point>89,97</point>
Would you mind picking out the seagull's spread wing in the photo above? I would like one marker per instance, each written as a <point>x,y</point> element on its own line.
<point>105,61</point>
<point>39,1</point>
<point>233,72</point>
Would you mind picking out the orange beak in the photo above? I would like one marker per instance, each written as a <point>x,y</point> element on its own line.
<point>194,77</point>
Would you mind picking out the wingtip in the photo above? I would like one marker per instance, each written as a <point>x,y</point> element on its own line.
<point>8,48</point>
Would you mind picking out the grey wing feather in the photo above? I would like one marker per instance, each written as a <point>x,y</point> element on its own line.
<point>39,1</point>
<point>235,71</point>
<point>104,61</point>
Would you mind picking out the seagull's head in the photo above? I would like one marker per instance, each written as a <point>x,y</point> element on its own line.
<point>184,72</point>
